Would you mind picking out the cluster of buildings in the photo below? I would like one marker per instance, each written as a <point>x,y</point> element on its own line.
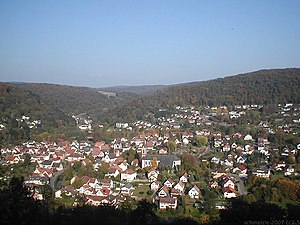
<point>231,156</point>
<point>24,119</point>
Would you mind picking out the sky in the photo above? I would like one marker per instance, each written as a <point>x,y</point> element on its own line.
<point>106,43</point>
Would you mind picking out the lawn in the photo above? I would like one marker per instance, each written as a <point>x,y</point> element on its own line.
<point>141,191</point>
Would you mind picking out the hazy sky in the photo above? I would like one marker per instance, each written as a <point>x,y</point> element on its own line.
<point>107,42</point>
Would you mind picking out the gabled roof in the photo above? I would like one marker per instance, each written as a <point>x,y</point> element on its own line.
<point>168,200</point>
<point>129,171</point>
<point>164,189</point>
<point>169,180</point>
<point>195,188</point>
<point>242,167</point>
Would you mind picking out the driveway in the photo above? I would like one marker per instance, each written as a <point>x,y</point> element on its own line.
<point>240,185</point>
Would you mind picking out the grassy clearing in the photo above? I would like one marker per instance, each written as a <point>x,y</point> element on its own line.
<point>141,191</point>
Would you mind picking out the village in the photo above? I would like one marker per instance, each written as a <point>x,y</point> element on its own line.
<point>183,157</point>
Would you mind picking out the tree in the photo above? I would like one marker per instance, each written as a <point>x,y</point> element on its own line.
<point>200,141</point>
<point>77,183</point>
<point>17,206</point>
<point>172,146</point>
<point>190,162</point>
<point>250,198</point>
<point>27,159</point>
<point>154,163</point>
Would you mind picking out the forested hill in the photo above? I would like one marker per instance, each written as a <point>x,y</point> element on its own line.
<point>72,100</point>
<point>261,87</point>
<point>20,109</point>
<point>141,90</point>
<point>16,102</point>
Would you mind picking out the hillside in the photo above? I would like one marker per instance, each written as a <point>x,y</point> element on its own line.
<point>134,102</point>
<point>72,100</point>
<point>142,90</point>
<point>20,110</point>
<point>260,87</point>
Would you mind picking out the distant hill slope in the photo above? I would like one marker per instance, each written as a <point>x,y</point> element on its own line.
<point>17,104</point>
<point>72,100</point>
<point>142,90</point>
<point>260,87</point>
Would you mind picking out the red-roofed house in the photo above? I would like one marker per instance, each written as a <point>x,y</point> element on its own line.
<point>167,203</point>
<point>128,175</point>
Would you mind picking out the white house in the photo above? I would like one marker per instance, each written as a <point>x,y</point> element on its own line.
<point>169,183</point>
<point>179,186</point>
<point>163,192</point>
<point>152,175</point>
<point>262,172</point>
<point>194,192</point>
<point>184,178</point>
<point>154,186</point>
<point>167,203</point>
<point>128,175</point>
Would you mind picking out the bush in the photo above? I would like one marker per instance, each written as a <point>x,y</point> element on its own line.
<point>150,192</point>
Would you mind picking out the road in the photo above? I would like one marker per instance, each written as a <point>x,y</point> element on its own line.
<point>53,178</point>
<point>206,151</point>
<point>240,185</point>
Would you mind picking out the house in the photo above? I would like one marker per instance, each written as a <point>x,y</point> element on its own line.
<point>167,203</point>
<point>280,166</point>
<point>127,190</point>
<point>69,191</point>
<point>241,159</point>
<point>113,171</point>
<point>154,186</point>
<point>75,157</point>
<point>248,137</point>
<point>163,192</point>
<point>104,191</point>
<point>163,161</point>
<point>96,152</point>
<point>169,183</point>
<point>289,171</point>
<point>12,160</point>
<point>36,180</point>
<point>135,162</point>
<point>94,200</point>
<point>150,145</point>
<point>123,166</point>
<point>229,192</point>
<point>194,192</point>
<point>228,182</point>
<point>175,193</point>
<point>215,160</point>
<point>241,170</point>
<point>152,175</point>
<point>184,178</point>
<point>226,148</point>
<point>261,172</point>
<point>213,184</point>
<point>179,186</point>
<point>128,175</point>
<point>185,141</point>
<point>100,200</point>
<point>46,164</point>
<point>86,190</point>
<point>163,151</point>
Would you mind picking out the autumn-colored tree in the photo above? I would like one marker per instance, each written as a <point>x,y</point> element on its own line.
<point>154,163</point>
